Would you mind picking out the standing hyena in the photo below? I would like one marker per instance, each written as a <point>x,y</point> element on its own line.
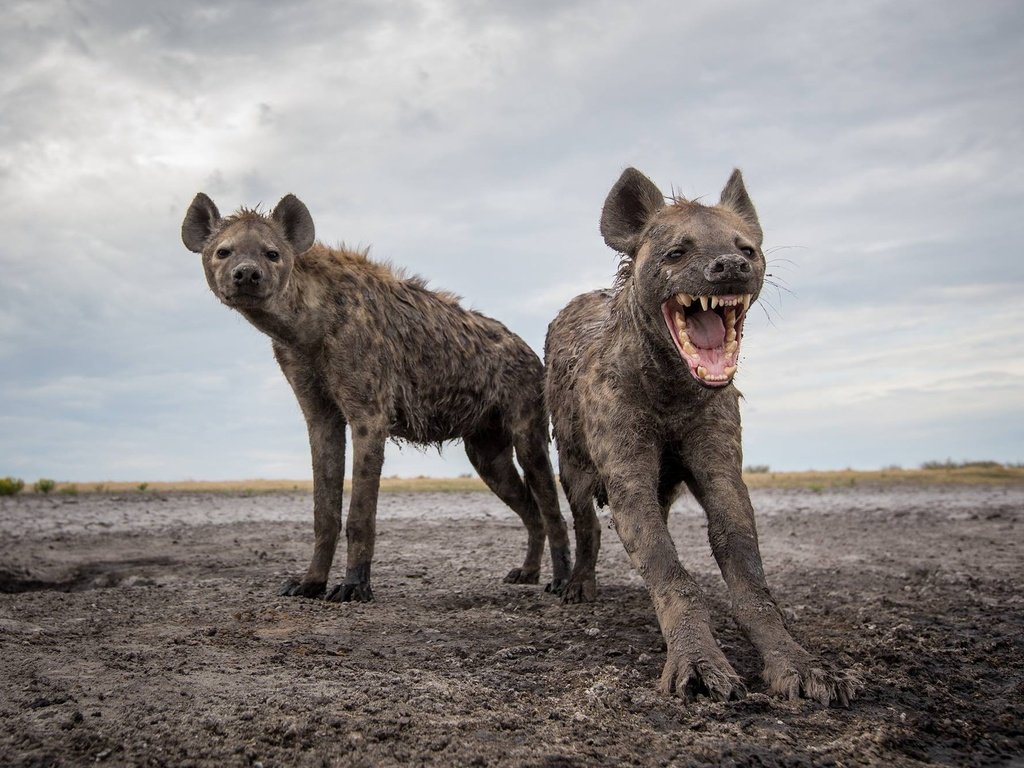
<point>639,386</point>
<point>364,347</point>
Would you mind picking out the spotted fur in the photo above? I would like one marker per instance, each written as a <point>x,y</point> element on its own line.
<point>634,427</point>
<point>365,347</point>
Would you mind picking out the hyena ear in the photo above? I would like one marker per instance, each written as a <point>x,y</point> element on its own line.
<point>294,216</point>
<point>200,221</point>
<point>735,198</point>
<point>627,209</point>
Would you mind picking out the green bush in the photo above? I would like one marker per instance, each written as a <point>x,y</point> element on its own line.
<point>44,485</point>
<point>9,486</point>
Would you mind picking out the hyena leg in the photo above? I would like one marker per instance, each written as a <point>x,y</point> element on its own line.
<point>361,529</point>
<point>579,486</point>
<point>491,455</point>
<point>326,427</point>
<point>532,452</point>
<point>789,670</point>
<point>695,663</point>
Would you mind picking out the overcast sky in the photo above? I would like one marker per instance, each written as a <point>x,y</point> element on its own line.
<point>473,143</point>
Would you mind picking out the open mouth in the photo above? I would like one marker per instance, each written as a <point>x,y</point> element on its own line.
<point>707,331</point>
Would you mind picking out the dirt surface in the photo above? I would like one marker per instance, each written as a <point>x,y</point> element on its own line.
<point>141,629</point>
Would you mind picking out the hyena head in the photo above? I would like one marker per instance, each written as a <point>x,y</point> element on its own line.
<point>248,257</point>
<point>691,270</point>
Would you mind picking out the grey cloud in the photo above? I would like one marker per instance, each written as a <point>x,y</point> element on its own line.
<point>473,143</point>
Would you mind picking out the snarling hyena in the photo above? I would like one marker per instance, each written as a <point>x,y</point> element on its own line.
<point>639,387</point>
<point>364,347</point>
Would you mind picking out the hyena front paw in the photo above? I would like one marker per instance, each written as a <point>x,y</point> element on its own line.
<point>351,593</point>
<point>522,576</point>
<point>556,586</point>
<point>800,675</point>
<point>580,589</point>
<point>702,674</point>
<point>302,588</point>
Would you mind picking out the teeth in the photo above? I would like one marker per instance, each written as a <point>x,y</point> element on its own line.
<point>730,336</point>
<point>730,316</point>
<point>715,301</point>
<point>680,323</point>
<point>731,347</point>
<point>704,303</point>
<point>746,301</point>
<point>689,349</point>
<point>702,371</point>
<point>684,298</point>
<point>729,370</point>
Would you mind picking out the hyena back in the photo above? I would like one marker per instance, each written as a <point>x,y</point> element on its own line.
<point>639,386</point>
<point>364,347</point>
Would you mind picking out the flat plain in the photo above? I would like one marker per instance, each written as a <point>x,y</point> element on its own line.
<point>143,628</point>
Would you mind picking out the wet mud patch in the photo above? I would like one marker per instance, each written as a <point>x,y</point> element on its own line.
<point>100,575</point>
<point>918,591</point>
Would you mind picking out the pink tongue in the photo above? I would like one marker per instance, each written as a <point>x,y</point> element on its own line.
<point>705,329</point>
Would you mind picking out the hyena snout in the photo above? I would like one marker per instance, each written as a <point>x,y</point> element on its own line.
<point>727,267</point>
<point>247,275</point>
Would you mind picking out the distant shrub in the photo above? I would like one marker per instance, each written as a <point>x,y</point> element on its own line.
<point>143,486</point>
<point>892,468</point>
<point>757,469</point>
<point>950,464</point>
<point>44,485</point>
<point>69,490</point>
<point>9,486</point>
<point>100,488</point>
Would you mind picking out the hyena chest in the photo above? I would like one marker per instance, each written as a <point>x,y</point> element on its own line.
<point>431,415</point>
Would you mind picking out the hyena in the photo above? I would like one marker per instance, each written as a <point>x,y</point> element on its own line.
<point>639,386</point>
<point>363,346</point>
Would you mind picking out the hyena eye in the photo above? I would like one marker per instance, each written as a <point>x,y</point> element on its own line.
<point>273,255</point>
<point>675,254</point>
<point>223,253</point>
<point>747,251</point>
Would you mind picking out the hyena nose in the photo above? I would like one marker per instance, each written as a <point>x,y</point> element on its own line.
<point>247,273</point>
<point>728,266</point>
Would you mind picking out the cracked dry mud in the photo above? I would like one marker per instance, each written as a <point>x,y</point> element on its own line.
<point>146,630</point>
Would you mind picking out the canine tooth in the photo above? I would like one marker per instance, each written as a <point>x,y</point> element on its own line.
<point>746,301</point>
<point>714,302</point>
<point>729,370</point>
<point>684,298</point>
<point>704,303</point>
<point>702,371</point>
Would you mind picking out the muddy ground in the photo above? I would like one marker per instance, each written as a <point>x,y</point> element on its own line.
<point>141,629</point>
